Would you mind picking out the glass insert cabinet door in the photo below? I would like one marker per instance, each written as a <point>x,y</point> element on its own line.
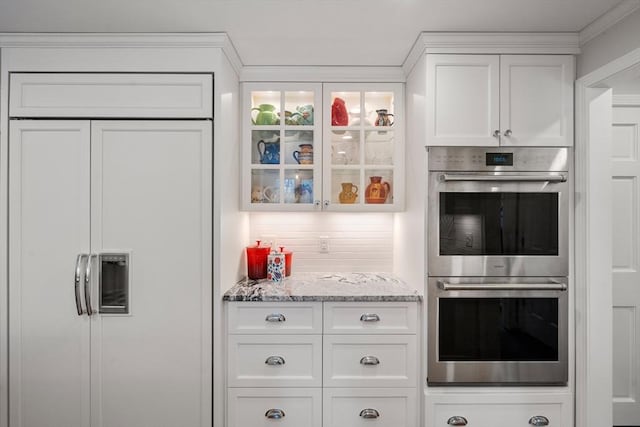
<point>282,153</point>
<point>363,140</point>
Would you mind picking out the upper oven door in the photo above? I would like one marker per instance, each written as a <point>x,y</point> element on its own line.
<point>498,224</point>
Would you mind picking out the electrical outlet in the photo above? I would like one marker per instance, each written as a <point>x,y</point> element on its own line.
<point>268,240</point>
<point>323,245</point>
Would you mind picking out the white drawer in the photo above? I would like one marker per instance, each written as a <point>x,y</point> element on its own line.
<point>506,409</point>
<point>302,407</point>
<point>111,95</point>
<point>500,415</point>
<point>370,318</point>
<point>274,318</point>
<point>389,407</point>
<point>370,361</point>
<point>275,361</point>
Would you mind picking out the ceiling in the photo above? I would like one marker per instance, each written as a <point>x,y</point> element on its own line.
<point>304,32</point>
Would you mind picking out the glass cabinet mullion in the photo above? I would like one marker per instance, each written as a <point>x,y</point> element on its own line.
<point>310,158</point>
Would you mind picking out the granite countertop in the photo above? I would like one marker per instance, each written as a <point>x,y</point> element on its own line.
<point>325,287</point>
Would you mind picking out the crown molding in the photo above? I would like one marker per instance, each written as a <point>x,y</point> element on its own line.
<point>627,63</point>
<point>322,74</point>
<point>125,40</point>
<point>626,100</point>
<point>608,20</point>
<point>491,43</point>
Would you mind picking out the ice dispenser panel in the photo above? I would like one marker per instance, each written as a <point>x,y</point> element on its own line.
<point>114,283</point>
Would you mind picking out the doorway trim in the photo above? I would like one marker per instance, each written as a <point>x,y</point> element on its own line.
<point>593,290</point>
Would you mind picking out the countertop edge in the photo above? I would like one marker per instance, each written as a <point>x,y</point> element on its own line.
<point>327,298</point>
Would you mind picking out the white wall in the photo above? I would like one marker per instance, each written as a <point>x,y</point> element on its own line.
<point>233,227</point>
<point>619,40</point>
<point>409,254</point>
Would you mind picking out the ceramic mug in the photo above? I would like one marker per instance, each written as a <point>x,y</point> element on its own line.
<point>305,155</point>
<point>265,195</point>
<point>266,115</point>
<point>270,195</point>
<point>384,118</point>
<point>269,152</point>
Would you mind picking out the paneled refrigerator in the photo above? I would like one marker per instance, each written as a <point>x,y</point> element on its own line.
<point>110,271</point>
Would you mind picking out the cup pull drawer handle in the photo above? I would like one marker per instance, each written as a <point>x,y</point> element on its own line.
<point>539,420</point>
<point>275,317</point>
<point>369,413</point>
<point>369,317</point>
<point>274,360</point>
<point>457,421</point>
<point>369,360</point>
<point>274,414</point>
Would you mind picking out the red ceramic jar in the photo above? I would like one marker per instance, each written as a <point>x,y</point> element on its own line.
<point>257,261</point>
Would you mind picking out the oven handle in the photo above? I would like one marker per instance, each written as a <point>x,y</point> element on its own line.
<point>446,286</point>
<point>514,178</point>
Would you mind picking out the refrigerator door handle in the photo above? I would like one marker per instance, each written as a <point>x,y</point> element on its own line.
<point>76,282</point>
<point>87,285</point>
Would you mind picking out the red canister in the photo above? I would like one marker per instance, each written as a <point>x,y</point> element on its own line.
<point>288,255</point>
<point>257,261</point>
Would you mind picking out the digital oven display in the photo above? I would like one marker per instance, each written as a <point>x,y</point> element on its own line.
<point>499,159</point>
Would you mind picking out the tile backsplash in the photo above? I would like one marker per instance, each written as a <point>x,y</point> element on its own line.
<point>357,242</point>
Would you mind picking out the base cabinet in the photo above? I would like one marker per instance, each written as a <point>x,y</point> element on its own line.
<point>359,369</point>
<point>263,407</point>
<point>369,407</point>
<point>479,409</point>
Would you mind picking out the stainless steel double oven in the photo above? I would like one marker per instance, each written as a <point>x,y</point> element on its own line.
<point>498,222</point>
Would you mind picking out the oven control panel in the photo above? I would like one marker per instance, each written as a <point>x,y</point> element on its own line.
<point>521,159</point>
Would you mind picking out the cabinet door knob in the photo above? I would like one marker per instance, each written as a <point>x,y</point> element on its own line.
<point>496,133</point>
<point>274,360</point>
<point>274,414</point>
<point>326,203</point>
<point>275,317</point>
<point>507,132</point>
<point>369,413</point>
<point>369,317</point>
<point>539,420</point>
<point>369,360</point>
<point>457,421</point>
<point>316,203</point>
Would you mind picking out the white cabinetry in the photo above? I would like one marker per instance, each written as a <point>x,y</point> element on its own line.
<point>511,100</point>
<point>363,141</point>
<point>282,146</point>
<point>361,372</point>
<point>94,187</point>
<point>313,146</point>
<point>288,353</point>
<point>370,364</point>
<point>480,409</point>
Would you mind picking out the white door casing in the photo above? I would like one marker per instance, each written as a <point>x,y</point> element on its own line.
<point>593,389</point>
<point>48,228</point>
<point>625,167</point>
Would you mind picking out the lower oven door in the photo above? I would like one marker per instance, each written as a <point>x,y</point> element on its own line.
<point>497,330</point>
